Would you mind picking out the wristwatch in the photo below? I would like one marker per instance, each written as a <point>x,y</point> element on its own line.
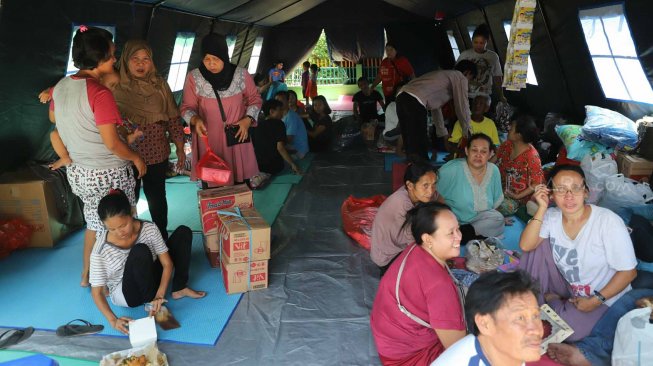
<point>600,296</point>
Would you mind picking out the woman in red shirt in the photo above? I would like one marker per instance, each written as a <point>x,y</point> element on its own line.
<point>417,312</point>
<point>519,164</point>
<point>395,70</point>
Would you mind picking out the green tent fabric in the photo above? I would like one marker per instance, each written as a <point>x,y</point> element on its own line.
<point>6,356</point>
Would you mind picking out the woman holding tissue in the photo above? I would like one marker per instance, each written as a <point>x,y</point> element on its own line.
<point>133,262</point>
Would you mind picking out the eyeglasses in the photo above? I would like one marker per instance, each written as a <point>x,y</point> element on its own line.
<point>575,190</point>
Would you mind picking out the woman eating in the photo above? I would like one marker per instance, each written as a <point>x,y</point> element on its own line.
<point>389,237</point>
<point>472,188</point>
<point>221,103</point>
<point>418,309</point>
<point>582,254</point>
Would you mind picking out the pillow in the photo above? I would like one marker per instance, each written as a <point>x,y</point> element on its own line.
<point>576,145</point>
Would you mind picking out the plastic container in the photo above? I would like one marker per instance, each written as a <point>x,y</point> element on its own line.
<point>211,167</point>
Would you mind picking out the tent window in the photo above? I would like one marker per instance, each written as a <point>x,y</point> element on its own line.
<point>256,54</point>
<point>613,53</point>
<point>231,44</point>
<point>530,74</point>
<point>179,62</point>
<point>454,44</point>
<point>71,69</point>
<point>470,30</point>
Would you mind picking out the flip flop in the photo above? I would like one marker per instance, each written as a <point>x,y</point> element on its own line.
<point>73,330</point>
<point>16,337</point>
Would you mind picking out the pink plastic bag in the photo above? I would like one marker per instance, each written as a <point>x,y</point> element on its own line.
<point>358,216</point>
<point>211,167</point>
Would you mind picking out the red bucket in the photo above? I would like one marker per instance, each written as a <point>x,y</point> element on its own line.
<point>211,167</point>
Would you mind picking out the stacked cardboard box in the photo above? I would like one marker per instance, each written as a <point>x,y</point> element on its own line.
<point>634,166</point>
<point>245,240</point>
<point>212,200</point>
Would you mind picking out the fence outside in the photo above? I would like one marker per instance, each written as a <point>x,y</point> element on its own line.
<point>345,73</point>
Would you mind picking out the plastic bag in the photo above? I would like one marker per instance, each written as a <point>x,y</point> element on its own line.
<point>14,234</point>
<point>483,256</point>
<point>348,132</point>
<point>633,340</point>
<point>624,192</point>
<point>504,113</point>
<point>358,216</point>
<point>211,167</point>
<point>597,168</point>
<point>609,128</point>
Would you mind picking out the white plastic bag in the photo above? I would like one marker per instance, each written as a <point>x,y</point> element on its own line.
<point>633,340</point>
<point>624,192</point>
<point>597,168</point>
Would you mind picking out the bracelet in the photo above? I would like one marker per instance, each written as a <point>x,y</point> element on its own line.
<point>600,296</point>
<point>534,219</point>
<point>251,119</point>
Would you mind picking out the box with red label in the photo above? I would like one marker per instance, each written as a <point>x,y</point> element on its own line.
<point>212,249</point>
<point>211,200</point>
<point>241,230</point>
<point>234,276</point>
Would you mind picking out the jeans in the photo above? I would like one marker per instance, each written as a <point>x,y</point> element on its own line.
<point>645,211</point>
<point>597,347</point>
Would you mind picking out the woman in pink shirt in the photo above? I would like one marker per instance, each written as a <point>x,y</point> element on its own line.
<point>418,309</point>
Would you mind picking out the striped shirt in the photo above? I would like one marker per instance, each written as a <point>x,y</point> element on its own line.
<point>108,260</point>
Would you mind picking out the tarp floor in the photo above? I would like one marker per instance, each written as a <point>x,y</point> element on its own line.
<point>322,285</point>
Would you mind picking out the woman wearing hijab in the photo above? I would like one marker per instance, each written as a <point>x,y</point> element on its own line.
<point>221,102</point>
<point>145,99</point>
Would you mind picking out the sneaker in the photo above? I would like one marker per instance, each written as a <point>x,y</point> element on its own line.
<point>260,180</point>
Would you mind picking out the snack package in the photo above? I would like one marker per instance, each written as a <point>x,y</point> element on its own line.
<point>142,356</point>
<point>556,329</point>
<point>164,317</point>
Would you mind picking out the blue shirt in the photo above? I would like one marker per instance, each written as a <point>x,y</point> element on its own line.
<point>295,127</point>
<point>277,75</point>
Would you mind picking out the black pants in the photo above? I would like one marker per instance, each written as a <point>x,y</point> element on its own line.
<point>154,187</point>
<point>413,125</point>
<point>142,276</point>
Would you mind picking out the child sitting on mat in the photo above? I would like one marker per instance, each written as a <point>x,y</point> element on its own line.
<point>132,260</point>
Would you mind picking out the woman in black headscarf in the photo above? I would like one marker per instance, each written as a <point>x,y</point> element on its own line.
<point>221,102</point>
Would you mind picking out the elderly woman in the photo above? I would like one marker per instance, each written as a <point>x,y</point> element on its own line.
<point>417,312</point>
<point>472,188</point>
<point>221,102</point>
<point>389,237</point>
<point>519,164</point>
<point>145,99</point>
<point>581,254</point>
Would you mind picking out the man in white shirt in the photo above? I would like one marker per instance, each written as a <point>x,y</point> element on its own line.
<point>503,316</point>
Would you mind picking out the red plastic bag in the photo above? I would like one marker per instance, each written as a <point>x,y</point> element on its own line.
<point>211,167</point>
<point>358,216</point>
<point>14,234</point>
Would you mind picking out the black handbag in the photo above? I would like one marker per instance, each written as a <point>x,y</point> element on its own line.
<point>645,148</point>
<point>230,131</point>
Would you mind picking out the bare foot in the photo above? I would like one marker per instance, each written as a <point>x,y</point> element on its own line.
<point>60,163</point>
<point>567,354</point>
<point>188,292</point>
<point>548,297</point>
<point>84,282</point>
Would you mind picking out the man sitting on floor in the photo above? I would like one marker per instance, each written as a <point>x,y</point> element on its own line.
<point>365,101</point>
<point>503,316</point>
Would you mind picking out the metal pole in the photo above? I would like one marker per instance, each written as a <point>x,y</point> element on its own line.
<point>242,48</point>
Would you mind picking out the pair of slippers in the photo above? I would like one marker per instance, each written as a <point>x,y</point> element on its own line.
<point>73,330</point>
<point>14,336</point>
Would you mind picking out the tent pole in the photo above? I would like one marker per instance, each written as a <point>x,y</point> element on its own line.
<point>545,20</point>
<point>242,48</point>
<point>155,6</point>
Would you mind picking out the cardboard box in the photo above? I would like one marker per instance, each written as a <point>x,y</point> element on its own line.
<point>234,276</point>
<point>212,249</point>
<point>236,236</point>
<point>25,196</point>
<point>212,200</point>
<point>634,165</point>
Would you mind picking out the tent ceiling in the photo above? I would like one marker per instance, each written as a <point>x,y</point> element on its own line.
<point>274,12</point>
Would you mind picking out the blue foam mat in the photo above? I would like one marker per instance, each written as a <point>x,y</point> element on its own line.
<point>40,288</point>
<point>391,158</point>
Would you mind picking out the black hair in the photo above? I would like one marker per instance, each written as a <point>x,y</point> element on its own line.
<point>466,65</point>
<point>315,68</point>
<point>416,170</point>
<point>282,93</point>
<point>482,31</point>
<point>114,204</point>
<point>421,219</point>
<point>268,105</point>
<point>526,127</point>
<point>566,168</point>
<point>327,109</point>
<point>91,46</point>
<point>390,44</point>
<point>481,136</point>
<point>362,78</point>
<point>491,290</point>
<point>258,78</point>
<point>290,91</point>
<point>306,63</point>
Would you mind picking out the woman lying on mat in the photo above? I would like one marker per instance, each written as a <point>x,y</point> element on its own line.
<point>388,237</point>
<point>587,261</point>
<point>472,188</point>
<point>417,312</point>
<point>131,259</point>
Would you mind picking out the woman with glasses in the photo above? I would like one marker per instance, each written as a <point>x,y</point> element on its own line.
<point>581,254</point>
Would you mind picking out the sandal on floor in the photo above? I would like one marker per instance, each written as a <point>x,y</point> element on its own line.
<point>72,330</point>
<point>8,338</point>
